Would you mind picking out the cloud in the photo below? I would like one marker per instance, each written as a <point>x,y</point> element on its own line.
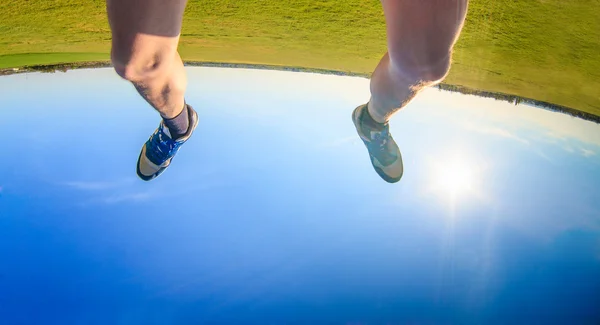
<point>492,130</point>
<point>112,199</point>
<point>109,192</point>
<point>96,185</point>
<point>587,152</point>
<point>132,195</point>
<point>128,197</point>
<point>550,126</point>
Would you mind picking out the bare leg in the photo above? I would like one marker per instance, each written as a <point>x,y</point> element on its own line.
<point>420,36</point>
<point>145,35</point>
<point>144,50</point>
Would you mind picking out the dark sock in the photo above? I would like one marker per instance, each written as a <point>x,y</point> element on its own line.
<point>368,120</point>
<point>178,126</point>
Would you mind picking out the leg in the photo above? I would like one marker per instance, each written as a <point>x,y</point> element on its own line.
<point>420,36</point>
<point>144,50</point>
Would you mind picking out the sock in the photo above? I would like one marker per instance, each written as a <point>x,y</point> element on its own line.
<point>371,116</point>
<point>369,121</point>
<point>178,126</point>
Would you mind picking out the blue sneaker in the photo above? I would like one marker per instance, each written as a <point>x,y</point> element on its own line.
<point>158,152</point>
<point>383,150</point>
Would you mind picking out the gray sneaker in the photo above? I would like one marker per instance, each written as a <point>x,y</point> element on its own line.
<point>383,150</point>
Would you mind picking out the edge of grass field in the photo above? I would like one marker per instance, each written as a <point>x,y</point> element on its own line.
<point>513,99</point>
<point>23,60</point>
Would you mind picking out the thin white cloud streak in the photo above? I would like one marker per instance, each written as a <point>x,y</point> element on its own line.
<point>587,152</point>
<point>496,131</point>
<point>128,197</point>
<point>97,185</point>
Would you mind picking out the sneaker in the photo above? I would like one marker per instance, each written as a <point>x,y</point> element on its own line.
<point>383,150</point>
<point>158,152</point>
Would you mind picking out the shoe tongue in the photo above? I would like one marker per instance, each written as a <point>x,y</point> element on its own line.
<point>166,131</point>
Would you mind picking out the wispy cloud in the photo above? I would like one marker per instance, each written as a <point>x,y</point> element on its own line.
<point>109,192</point>
<point>134,195</point>
<point>97,185</point>
<point>539,124</point>
<point>492,130</point>
<point>118,198</point>
<point>587,152</point>
<point>128,197</point>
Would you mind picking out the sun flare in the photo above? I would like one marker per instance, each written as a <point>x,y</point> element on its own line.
<point>455,178</point>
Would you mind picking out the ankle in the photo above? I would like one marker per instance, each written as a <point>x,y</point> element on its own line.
<point>178,125</point>
<point>371,118</point>
<point>371,112</point>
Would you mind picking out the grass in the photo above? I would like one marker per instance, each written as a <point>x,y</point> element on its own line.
<point>548,50</point>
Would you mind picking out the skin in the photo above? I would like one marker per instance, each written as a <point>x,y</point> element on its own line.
<point>420,36</point>
<point>145,34</point>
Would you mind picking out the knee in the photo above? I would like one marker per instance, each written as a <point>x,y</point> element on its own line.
<point>139,66</point>
<point>426,72</point>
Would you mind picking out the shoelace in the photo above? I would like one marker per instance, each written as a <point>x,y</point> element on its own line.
<point>161,147</point>
<point>379,141</point>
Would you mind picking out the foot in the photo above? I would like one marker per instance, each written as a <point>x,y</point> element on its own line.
<point>383,150</point>
<point>158,152</point>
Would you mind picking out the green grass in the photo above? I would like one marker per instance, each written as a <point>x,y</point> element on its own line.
<point>547,50</point>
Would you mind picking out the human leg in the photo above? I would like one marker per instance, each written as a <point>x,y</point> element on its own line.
<point>420,37</point>
<point>144,52</point>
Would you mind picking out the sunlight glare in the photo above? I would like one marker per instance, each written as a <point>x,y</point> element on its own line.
<point>455,178</point>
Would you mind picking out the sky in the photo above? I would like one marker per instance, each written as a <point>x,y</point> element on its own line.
<point>272,212</point>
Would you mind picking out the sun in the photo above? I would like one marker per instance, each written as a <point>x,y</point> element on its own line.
<point>455,178</point>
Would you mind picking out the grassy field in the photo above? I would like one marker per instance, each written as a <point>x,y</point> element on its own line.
<point>548,50</point>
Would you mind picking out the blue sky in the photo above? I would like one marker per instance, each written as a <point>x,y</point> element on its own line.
<point>272,213</point>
